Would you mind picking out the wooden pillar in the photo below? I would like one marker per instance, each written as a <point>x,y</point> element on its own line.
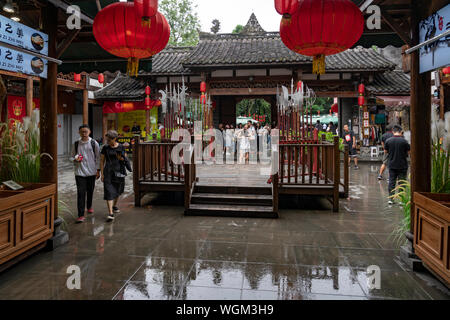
<point>85,106</point>
<point>420,118</point>
<point>48,105</point>
<point>147,122</point>
<point>29,96</point>
<point>104,126</point>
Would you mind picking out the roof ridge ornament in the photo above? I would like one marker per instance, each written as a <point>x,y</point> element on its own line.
<point>253,27</point>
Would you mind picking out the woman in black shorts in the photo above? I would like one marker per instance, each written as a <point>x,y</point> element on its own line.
<point>113,163</point>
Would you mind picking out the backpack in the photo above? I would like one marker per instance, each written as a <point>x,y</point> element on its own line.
<point>92,144</point>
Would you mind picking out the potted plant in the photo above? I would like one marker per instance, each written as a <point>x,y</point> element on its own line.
<point>432,210</point>
<point>26,214</point>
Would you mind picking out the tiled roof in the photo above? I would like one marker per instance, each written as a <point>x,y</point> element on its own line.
<point>123,87</point>
<point>390,83</point>
<point>254,46</point>
<point>169,61</point>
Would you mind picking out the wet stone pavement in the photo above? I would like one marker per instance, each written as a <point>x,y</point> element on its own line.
<point>154,252</point>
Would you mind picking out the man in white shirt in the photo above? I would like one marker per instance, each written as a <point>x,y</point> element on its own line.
<point>86,159</point>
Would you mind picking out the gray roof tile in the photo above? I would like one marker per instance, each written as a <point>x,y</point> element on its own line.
<point>390,83</point>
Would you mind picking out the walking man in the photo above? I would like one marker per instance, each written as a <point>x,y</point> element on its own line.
<point>398,150</point>
<point>86,159</point>
<point>384,138</point>
<point>350,140</point>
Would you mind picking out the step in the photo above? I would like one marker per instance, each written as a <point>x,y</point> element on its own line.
<point>231,211</point>
<point>199,188</point>
<point>243,199</point>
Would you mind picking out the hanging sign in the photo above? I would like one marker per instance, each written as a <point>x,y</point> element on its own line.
<point>436,54</point>
<point>20,62</point>
<point>22,36</point>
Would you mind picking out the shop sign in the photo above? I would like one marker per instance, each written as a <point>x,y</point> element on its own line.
<point>20,62</point>
<point>19,35</point>
<point>17,109</point>
<point>119,107</point>
<point>436,54</point>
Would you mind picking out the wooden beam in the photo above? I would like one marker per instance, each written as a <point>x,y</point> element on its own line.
<point>29,96</point>
<point>401,32</point>
<point>17,75</point>
<point>85,106</point>
<point>49,106</point>
<point>66,43</point>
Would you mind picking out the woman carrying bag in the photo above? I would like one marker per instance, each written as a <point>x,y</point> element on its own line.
<point>114,163</point>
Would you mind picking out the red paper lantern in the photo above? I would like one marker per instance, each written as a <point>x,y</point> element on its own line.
<point>361,101</point>
<point>148,102</point>
<point>286,8</point>
<point>446,71</point>
<point>203,86</point>
<point>146,9</point>
<point>323,27</point>
<point>299,85</point>
<point>148,90</point>
<point>101,78</point>
<point>361,88</point>
<point>77,78</point>
<point>203,99</point>
<point>118,30</point>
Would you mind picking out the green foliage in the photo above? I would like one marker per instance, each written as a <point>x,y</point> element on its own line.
<point>238,28</point>
<point>183,20</point>
<point>20,154</point>
<point>323,105</point>
<point>440,177</point>
<point>254,106</point>
<point>329,136</point>
<point>403,196</point>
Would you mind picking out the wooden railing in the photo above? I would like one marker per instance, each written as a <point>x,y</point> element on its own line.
<point>155,170</point>
<point>190,170</point>
<point>313,165</point>
<point>345,183</point>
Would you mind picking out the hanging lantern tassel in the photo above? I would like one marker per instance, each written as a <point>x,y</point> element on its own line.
<point>146,22</point>
<point>319,64</point>
<point>133,67</point>
<point>286,20</point>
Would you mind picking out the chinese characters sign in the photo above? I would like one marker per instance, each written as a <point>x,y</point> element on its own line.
<point>435,54</point>
<point>20,62</point>
<point>22,36</point>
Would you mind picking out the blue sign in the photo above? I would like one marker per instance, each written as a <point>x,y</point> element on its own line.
<point>19,35</point>
<point>16,61</point>
<point>436,54</point>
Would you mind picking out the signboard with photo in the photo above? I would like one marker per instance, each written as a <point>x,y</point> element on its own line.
<point>435,54</point>
<point>19,35</point>
<point>20,62</point>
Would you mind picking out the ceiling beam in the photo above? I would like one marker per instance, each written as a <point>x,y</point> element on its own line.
<point>66,43</point>
<point>63,6</point>
<point>401,32</point>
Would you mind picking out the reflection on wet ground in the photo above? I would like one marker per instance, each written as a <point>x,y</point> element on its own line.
<point>155,252</point>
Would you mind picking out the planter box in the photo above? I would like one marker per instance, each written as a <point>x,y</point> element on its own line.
<point>431,232</point>
<point>26,218</point>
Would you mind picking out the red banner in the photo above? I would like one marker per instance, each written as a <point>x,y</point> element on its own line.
<point>119,107</point>
<point>17,108</point>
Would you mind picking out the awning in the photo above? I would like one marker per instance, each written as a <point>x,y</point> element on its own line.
<point>395,101</point>
<point>118,107</point>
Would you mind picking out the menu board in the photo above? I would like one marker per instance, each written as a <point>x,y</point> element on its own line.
<point>19,35</point>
